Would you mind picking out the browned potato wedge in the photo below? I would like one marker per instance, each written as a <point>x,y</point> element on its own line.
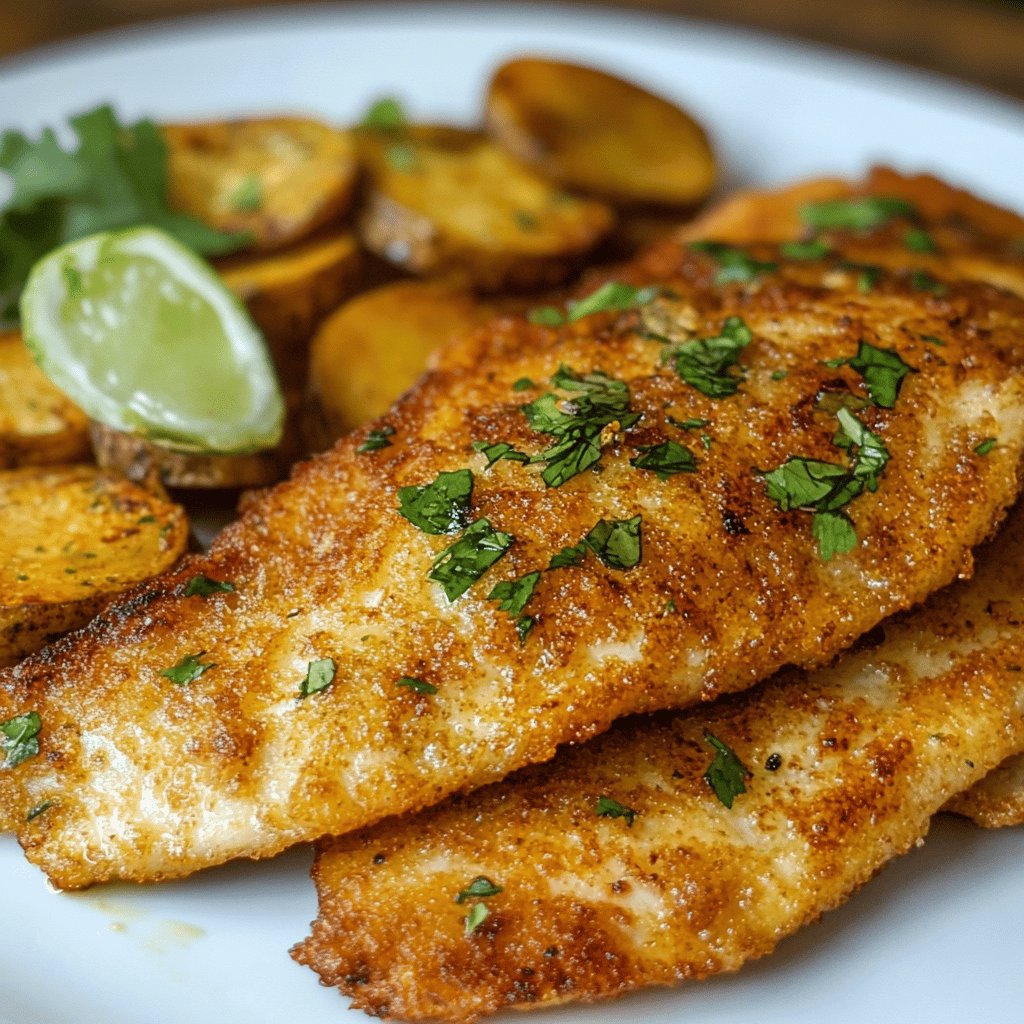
<point>288,293</point>
<point>38,424</point>
<point>446,201</point>
<point>592,131</point>
<point>72,537</point>
<point>276,178</point>
<point>373,348</point>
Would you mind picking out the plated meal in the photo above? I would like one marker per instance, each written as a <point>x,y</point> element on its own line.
<point>667,604</point>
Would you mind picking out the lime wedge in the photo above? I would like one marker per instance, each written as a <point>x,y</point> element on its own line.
<point>144,336</point>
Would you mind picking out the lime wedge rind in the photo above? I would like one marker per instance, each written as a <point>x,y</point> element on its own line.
<point>144,336</point>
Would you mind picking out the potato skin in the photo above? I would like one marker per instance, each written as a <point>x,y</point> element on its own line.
<point>38,424</point>
<point>288,293</point>
<point>600,134</point>
<point>456,205</point>
<point>276,178</point>
<point>73,537</point>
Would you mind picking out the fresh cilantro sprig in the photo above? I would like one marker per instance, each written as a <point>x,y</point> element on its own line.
<point>862,213</point>
<point>19,738</point>
<point>733,264</point>
<point>598,401</point>
<point>113,177</point>
<point>611,297</point>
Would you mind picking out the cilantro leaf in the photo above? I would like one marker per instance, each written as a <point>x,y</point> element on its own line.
<point>616,542</point>
<point>513,595</point>
<point>114,177</point>
<point>569,557</point>
<point>19,738</point>
<point>546,316</point>
<point>248,197</point>
<point>834,533</point>
<point>666,459</point>
<point>481,888</point>
<point>416,685</point>
<point>859,214</point>
<point>606,807</point>
<point>726,774</point>
<point>883,371</point>
<point>498,451</point>
<point>733,264</point>
<point>39,809</point>
<point>917,240</point>
<point>461,564</point>
<point>377,439</point>
<point>188,670</point>
<point>478,913</point>
<point>204,586</point>
<point>523,384</point>
<point>986,446</point>
<point>812,250</point>
<point>598,402</point>
<point>704,362</point>
<point>523,626</point>
<point>319,675</point>
<point>611,297</point>
<point>385,115</point>
<point>922,281</point>
<point>805,483</point>
<point>441,506</point>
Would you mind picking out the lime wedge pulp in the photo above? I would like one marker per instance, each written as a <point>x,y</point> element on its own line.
<point>144,336</point>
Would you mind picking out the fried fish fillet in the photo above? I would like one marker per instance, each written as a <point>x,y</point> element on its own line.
<point>617,866</point>
<point>971,239</point>
<point>338,683</point>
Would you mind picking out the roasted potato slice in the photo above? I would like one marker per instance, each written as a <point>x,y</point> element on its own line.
<point>373,348</point>
<point>277,178</point>
<point>592,131</point>
<point>288,293</point>
<point>38,424</point>
<point>442,200</point>
<point>72,537</point>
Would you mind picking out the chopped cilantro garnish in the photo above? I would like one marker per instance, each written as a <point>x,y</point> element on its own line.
<point>917,240</point>
<point>867,274</point>
<point>733,264</point>
<point>883,371</point>
<point>986,446</point>
<point>188,670</point>
<point>930,339</point>
<point>248,197</point>
<point>38,809</point>
<point>114,177</point>
<point>860,214</point>
<point>569,557</point>
<point>780,374</point>
<point>812,250</point>
<point>727,773</point>
<point>616,542</point>
<point>477,915</point>
<point>523,626</point>
<point>599,401</point>
<point>606,807</point>
<point>461,564</point>
<point>704,362</point>
<point>526,221</point>
<point>691,424</point>
<point>498,451</point>
<point>513,595</point>
<point>480,888</point>
<point>523,384</point>
<point>441,506</point>
<point>385,115</point>
<point>834,533</point>
<point>319,675</point>
<point>666,459</point>
<point>205,586</point>
<point>611,297</point>
<point>401,157</point>
<point>19,738</point>
<point>377,439</point>
<point>416,685</point>
<point>546,316</point>
<point>922,281</point>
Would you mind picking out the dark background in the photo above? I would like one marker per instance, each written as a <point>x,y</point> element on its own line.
<point>981,41</point>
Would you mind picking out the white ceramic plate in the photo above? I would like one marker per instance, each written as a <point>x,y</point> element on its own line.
<point>938,937</point>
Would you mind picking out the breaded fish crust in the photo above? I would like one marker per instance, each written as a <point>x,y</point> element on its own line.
<point>586,900</point>
<point>336,683</point>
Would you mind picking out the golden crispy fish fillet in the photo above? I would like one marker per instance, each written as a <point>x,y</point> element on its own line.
<point>972,239</point>
<point>337,683</point>
<point>617,866</point>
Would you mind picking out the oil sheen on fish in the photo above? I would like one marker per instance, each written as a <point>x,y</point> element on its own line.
<point>616,866</point>
<point>337,683</point>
